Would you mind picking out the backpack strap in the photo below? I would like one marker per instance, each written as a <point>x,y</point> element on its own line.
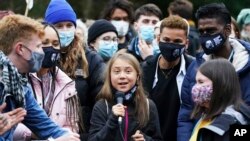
<point>148,109</point>
<point>107,107</point>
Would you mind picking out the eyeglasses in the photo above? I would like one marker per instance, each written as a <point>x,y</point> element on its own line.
<point>109,39</point>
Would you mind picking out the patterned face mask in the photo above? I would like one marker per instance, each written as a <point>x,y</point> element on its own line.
<point>201,94</point>
<point>212,43</point>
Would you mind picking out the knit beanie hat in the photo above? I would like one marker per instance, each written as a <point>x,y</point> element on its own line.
<point>244,17</point>
<point>98,28</point>
<point>59,11</point>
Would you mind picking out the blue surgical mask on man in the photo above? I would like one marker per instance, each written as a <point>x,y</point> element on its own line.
<point>35,61</point>
<point>107,49</point>
<point>66,37</point>
<point>146,32</point>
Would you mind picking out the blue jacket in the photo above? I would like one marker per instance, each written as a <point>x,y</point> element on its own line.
<point>185,124</point>
<point>36,119</point>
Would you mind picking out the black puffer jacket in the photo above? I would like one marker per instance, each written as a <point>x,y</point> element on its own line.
<point>88,88</point>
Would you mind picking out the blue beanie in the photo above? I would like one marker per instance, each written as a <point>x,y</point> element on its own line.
<point>59,11</point>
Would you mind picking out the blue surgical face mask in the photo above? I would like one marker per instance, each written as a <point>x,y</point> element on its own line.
<point>107,50</point>
<point>52,56</point>
<point>147,33</point>
<point>156,49</point>
<point>66,37</point>
<point>35,61</point>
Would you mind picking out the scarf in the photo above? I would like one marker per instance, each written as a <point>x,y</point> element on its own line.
<point>129,95</point>
<point>13,81</point>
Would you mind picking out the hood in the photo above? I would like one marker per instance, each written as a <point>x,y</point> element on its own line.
<point>237,115</point>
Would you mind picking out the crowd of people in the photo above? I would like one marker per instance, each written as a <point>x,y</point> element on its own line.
<point>132,75</point>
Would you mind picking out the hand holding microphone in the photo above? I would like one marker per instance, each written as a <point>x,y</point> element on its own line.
<point>119,109</point>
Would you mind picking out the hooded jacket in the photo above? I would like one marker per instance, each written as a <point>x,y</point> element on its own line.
<point>219,129</point>
<point>64,89</point>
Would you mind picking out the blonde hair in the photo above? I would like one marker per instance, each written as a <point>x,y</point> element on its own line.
<point>15,28</point>
<point>71,59</point>
<point>140,99</point>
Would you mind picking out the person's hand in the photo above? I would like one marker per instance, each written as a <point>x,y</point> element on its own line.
<point>118,110</point>
<point>10,119</point>
<point>145,49</point>
<point>69,137</point>
<point>138,136</point>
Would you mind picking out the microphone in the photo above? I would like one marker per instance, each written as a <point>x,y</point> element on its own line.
<point>119,99</point>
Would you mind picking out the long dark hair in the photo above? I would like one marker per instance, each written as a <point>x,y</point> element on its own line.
<point>226,88</point>
<point>118,4</point>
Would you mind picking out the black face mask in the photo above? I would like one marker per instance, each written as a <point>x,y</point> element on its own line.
<point>212,43</point>
<point>171,51</point>
<point>51,57</point>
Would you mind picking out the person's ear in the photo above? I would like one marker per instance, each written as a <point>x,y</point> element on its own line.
<point>158,38</point>
<point>136,26</point>
<point>137,79</point>
<point>19,49</point>
<point>187,43</point>
<point>227,29</point>
<point>92,45</point>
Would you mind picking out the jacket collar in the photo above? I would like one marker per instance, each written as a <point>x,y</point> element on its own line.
<point>241,56</point>
<point>221,124</point>
<point>182,70</point>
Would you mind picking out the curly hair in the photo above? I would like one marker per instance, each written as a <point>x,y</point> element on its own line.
<point>74,58</point>
<point>175,22</point>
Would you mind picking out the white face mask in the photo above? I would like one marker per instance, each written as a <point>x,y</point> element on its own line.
<point>121,27</point>
<point>245,35</point>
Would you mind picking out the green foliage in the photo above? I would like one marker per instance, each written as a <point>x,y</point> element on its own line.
<point>91,9</point>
